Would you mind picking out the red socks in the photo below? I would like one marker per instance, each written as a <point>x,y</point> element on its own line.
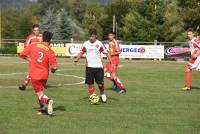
<point>43,99</point>
<point>91,90</point>
<point>188,78</point>
<point>101,88</point>
<point>27,80</point>
<point>118,83</point>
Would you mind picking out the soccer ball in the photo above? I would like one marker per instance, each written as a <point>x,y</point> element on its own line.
<point>94,99</point>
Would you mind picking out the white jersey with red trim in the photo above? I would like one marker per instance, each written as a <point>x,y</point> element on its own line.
<point>193,44</point>
<point>93,53</point>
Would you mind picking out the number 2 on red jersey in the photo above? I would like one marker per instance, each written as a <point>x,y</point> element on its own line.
<point>40,59</point>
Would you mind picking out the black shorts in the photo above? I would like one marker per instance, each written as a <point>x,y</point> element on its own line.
<point>94,74</point>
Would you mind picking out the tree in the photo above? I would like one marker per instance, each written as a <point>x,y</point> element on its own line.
<point>64,29</point>
<point>53,5</point>
<point>190,12</point>
<point>94,17</point>
<point>173,26</point>
<point>48,21</point>
<point>119,9</point>
<point>153,20</point>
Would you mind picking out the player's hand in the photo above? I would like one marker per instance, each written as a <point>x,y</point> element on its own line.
<point>53,70</point>
<point>27,59</point>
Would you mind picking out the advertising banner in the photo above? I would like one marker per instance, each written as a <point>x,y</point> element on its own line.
<point>72,49</point>
<point>142,51</point>
<point>177,52</point>
<point>127,51</point>
<point>58,48</point>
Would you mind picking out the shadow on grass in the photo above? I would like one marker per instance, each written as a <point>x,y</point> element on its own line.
<point>60,108</point>
<point>109,88</point>
<point>195,87</point>
<point>51,86</point>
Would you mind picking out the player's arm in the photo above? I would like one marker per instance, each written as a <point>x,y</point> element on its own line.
<point>105,52</point>
<point>117,50</point>
<point>83,51</point>
<point>52,61</point>
<point>114,53</point>
<point>27,41</point>
<point>109,57</point>
<point>25,53</point>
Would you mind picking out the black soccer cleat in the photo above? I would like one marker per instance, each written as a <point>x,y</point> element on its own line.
<point>22,87</point>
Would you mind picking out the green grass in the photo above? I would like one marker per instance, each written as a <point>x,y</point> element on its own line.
<point>153,104</point>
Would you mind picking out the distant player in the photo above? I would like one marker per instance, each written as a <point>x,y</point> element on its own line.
<point>94,66</point>
<point>41,57</point>
<point>193,62</point>
<point>109,70</point>
<point>33,38</point>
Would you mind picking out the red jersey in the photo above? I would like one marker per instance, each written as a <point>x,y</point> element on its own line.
<point>41,56</point>
<point>32,39</point>
<point>114,47</point>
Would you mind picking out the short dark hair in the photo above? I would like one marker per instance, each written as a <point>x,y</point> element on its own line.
<point>111,32</point>
<point>47,36</point>
<point>35,25</point>
<point>190,30</point>
<point>92,31</point>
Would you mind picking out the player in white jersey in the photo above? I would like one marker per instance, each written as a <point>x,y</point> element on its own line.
<point>94,66</point>
<point>194,61</point>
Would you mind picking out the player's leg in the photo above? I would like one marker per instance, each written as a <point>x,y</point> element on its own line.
<point>188,71</point>
<point>38,86</point>
<point>90,81</point>
<point>26,82</point>
<point>117,80</point>
<point>107,72</point>
<point>99,79</point>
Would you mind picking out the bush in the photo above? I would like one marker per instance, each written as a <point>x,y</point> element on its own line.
<point>8,50</point>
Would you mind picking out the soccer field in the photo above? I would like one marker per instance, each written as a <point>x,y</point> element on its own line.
<point>153,104</point>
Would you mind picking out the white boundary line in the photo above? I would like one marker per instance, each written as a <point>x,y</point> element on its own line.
<point>58,85</point>
<point>59,70</point>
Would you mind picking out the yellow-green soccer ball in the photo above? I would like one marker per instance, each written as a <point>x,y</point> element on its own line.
<point>94,99</point>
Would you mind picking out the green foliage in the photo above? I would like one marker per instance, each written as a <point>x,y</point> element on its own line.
<point>153,20</point>
<point>11,49</point>
<point>138,20</point>
<point>190,12</point>
<point>16,23</point>
<point>94,17</point>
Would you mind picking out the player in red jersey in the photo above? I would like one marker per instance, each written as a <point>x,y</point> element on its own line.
<point>33,38</point>
<point>194,48</point>
<point>41,57</point>
<point>109,69</point>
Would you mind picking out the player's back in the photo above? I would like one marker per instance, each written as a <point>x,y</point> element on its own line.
<point>40,57</point>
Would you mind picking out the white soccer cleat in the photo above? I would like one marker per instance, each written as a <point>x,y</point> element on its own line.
<point>103,98</point>
<point>50,107</point>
